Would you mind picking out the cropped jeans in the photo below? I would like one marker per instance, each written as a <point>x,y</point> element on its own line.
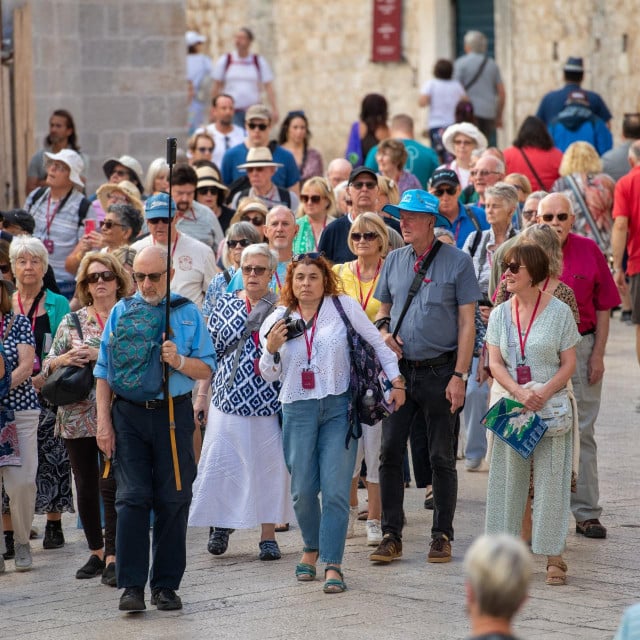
<point>314,433</point>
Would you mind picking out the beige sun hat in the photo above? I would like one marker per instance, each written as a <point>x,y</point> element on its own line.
<point>259,157</point>
<point>126,188</point>
<point>210,177</point>
<point>466,129</point>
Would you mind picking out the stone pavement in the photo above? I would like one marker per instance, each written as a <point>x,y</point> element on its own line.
<point>237,596</point>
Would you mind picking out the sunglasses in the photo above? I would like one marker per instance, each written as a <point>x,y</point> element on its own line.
<point>248,270</point>
<point>464,143</point>
<point>527,214</point>
<point>107,276</point>
<point>305,198</point>
<point>208,191</point>
<point>234,243</point>
<point>368,236</point>
<point>138,276</point>
<point>157,220</point>
<point>483,174</point>
<point>361,184</point>
<point>314,255</point>
<point>256,125</point>
<point>205,149</point>
<point>258,221</point>
<point>450,191</point>
<point>109,224</point>
<point>123,173</point>
<point>548,217</point>
<point>5,268</point>
<point>514,267</point>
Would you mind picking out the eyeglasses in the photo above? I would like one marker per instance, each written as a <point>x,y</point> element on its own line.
<point>208,191</point>
<point>305,198</point>
<point>314,255</point>
<point>464,143</point>
<point>5,268</point>
<point>527,214</point>
<point>117,198</point>
<point>361,184</point>
<point>122,173</point>
<point>108,224</point>
<point>243,242</point>
<point>107,276</point>
<point>157,220</point>
<point>258,221</point>
<point>484,173</point>
<point>514,267</point>
<point>204,149</point>
<point>368,236</point>
<point>548,217</point>
<point>450,191</point>
<point>258,125</point>
<point>249,269</point>
<point>138,276</point>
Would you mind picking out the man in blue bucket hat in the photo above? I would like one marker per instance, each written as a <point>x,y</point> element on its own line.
<point>432,334</point>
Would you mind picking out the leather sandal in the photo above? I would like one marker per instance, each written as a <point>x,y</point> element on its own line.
<point>591,528</point>
<point>556,580</point>
<point>334,585</point>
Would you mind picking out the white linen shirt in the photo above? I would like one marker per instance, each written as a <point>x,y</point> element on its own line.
<point>330,357</point>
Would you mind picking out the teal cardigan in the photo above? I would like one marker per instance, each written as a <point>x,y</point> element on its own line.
<point>57,307</point>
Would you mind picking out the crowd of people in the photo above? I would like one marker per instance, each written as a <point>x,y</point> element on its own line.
<point>212,300</point>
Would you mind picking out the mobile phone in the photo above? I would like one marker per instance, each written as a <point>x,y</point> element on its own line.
<point>89,226</point>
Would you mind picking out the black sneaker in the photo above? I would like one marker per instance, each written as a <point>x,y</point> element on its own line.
<point>218,540</point>
<point>165,599</point>
<point>132,600</point>
<point>109,575</point>
<point>53,536</point>
<point>10,553</point>
<point>91,569</point>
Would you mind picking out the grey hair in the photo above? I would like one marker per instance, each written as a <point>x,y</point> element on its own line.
<point>634,150</point>
<point>261,249</point>
<point>242,230</point>
<point>27,245</point>
<point>547,239</point>
<point>438,232</point>
<point>503,191</point>
<point>538,195</point>
<point>476,41</point>
<point>129,216</point>
<point>498,569</point>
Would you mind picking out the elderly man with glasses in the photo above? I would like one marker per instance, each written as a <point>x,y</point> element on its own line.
<point>194,262</point>
<point>586,271</point>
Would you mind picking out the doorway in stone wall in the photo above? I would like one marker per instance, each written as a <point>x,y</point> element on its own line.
<point>474,15</point>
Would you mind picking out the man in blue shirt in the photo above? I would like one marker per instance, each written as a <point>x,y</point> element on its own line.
<point>463,218</point>
<point>137,436</point>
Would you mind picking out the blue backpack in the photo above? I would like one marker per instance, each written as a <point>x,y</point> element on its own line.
<point>135,369</point>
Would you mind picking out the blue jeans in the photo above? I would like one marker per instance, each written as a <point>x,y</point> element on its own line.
<point>314,434</point>
<point>426,394</point>
<point>145,480</point>
<point>475,406</point>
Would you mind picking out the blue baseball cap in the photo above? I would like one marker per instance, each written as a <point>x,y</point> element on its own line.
<point>418,201</point>
<point>158,207</point>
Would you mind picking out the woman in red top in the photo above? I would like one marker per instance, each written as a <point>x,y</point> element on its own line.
<point>534,155</point>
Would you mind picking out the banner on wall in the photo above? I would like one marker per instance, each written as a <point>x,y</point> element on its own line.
<point>387,31</point>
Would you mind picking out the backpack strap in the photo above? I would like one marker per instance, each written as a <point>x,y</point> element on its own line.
<point>285,197</point>
<point>226,275</point>
<point>477,74</point>
<point>82,210</point>
<point>76,322</point>
<point>472,216</point>
<point>36,197</point>
<point>476,242</point>
<point>535,173</point>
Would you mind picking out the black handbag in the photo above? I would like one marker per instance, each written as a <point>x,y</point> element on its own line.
<point>70,384</point>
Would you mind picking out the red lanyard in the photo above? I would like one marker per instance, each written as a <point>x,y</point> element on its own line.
<point>309,341</point>
<point>99,319</point>
<point>175,242</point>
<point>365,301</point>
<point>254,334</point>
<point>33,318</point>
<point>279,285</point>
<point>523,342</point>
<point>49,221</point>
<point>546,282</point>
<point>457,232</point>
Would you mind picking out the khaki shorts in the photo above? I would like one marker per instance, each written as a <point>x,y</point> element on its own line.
<point>634,292</point>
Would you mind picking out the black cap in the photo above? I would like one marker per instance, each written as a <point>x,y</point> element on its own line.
<point>359,171</point>
<point>444,176</point>
<point>19,218</point>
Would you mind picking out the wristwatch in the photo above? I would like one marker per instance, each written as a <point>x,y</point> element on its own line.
<point>463,376</point>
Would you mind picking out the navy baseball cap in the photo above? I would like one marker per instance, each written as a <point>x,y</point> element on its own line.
<point>418,201</point>
<point>444,176</point>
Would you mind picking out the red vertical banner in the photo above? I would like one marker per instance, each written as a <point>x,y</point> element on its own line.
<point>387,31</point>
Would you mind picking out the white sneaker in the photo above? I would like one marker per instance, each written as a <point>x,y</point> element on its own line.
<point>23,557</point>
<point>353,517</point>
<point>374,533</point>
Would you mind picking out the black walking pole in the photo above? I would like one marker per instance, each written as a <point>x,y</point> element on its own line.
<point>172,145</point>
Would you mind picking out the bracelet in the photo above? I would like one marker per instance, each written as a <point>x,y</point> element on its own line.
<point>401,388</point>
<point>180,367</point>
<point>202,395</point>
<point>381,322</point>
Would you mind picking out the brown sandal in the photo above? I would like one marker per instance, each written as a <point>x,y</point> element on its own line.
<point>556,580</point>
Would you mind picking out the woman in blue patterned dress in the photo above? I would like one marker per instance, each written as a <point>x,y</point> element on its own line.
<point>242,480</point>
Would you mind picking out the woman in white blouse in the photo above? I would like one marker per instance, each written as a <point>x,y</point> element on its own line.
<point>314,370</point>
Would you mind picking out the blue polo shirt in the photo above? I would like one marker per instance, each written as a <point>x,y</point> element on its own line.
<point>286,176</point>
<point>554,101</point>
<point>189,333</point>
<point>430,327</point>
<point>462,226</point>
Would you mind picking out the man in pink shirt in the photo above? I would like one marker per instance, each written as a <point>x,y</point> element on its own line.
<point>626,234</point>
<point>585,270</point>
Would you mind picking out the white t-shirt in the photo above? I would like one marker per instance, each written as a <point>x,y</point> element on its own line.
<point>445,95</point>
<point>194,266</point>
<point>241,79</point>
<point>224,141</point>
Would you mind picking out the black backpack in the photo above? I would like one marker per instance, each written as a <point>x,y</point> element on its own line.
<point>85,203</point>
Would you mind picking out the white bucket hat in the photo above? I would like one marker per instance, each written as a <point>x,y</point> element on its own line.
<point>466,129</point>
<point>73,160</point>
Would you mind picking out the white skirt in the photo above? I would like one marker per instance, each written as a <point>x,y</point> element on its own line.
<point>242,479</point>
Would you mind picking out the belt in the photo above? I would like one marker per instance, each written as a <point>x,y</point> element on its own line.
<point>588,332</point>
<point>445,358</point>
<point>156,404</point>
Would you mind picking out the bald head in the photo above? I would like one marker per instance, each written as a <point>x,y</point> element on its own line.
<point>338,171</point>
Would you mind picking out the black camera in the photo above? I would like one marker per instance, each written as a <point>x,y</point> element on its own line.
<point>295,327</point>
